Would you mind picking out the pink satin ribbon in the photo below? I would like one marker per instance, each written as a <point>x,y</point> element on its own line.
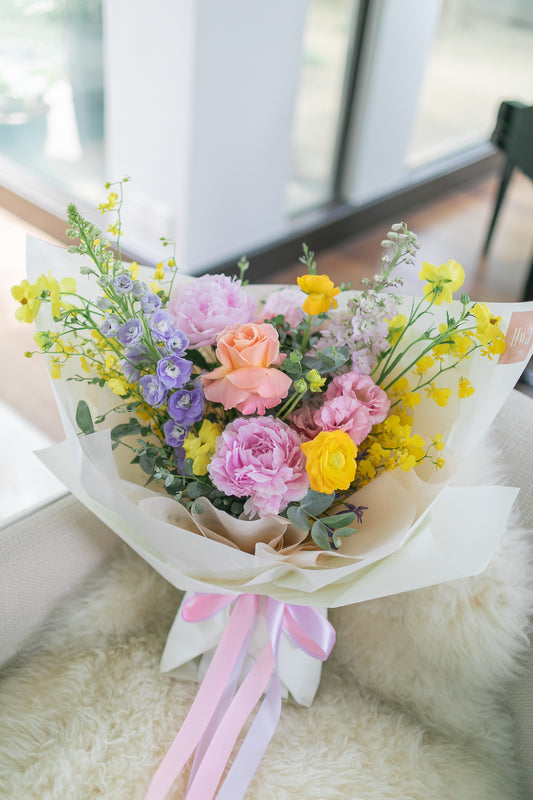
<point>220,709</point>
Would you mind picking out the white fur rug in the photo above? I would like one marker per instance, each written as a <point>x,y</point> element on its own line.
<point>411,704</point>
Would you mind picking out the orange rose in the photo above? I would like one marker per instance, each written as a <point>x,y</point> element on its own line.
<point>247,379</point>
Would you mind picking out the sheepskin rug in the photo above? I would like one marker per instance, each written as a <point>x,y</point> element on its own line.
<point>410,707</point>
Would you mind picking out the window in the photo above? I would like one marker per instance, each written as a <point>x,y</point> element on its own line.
<point>51,93</point>
<point>482,54</point>
<point>328,35</point>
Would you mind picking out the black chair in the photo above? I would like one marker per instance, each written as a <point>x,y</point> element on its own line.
<point>513,135</point>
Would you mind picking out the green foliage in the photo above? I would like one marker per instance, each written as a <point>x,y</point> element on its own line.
<point>84,419</point>
<point>341,520</point>
<point>328,360</point>
<point>131,428</point>
<point>315,503</point>
<point>298,516</point>
<point>308,258</point>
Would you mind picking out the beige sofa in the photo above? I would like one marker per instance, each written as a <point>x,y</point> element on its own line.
<point>46,638</point>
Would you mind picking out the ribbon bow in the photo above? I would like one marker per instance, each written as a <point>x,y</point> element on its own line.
<point>222,706</point>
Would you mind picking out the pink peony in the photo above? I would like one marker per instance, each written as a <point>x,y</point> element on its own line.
<point>287,302</point>
<point>203,308</point>
<point>261,459</point>
<point>363,389</point>
<point>247,380</point>
<point>347,414</point>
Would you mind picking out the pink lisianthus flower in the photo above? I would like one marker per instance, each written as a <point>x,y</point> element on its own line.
<point>347,414</point>
<point>361,388</point>
<point>303,422</point>
<point>261,459</point>
<point>202,308</point>
<point>287,302</point>
<point>247,378</point>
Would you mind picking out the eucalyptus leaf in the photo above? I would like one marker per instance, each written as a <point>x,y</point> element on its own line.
<point>125,429</point>
<point>195,490</point>
<point>341,520</point>
<point>84,419</point>
<point>292,367</point>
<point>320,535</point>
<point>344,532</point>
<point>298,517</point>
<point>315,503</point>
<point>147,462</point>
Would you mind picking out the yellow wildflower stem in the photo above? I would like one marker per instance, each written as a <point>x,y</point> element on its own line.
<point>414,316</point>
<point>440,339</point>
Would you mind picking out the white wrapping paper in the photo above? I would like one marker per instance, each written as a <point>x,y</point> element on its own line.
<point>417,530</point>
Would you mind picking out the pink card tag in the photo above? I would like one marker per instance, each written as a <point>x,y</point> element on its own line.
<point>519,338</point>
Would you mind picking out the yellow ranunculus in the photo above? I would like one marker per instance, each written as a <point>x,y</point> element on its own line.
<point>442,281</point>
<point>320,291</point>
<point>201,448</point>
<point>331,463</point>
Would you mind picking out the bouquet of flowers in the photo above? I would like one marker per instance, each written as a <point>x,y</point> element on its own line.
<point>291,443</point>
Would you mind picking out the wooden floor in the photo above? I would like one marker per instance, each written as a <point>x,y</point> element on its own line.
<point>451,227</point>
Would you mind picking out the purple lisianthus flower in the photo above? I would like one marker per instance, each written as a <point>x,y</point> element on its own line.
<point>177,343</point>
<point>139,289</point>
<point>130,364</point>
<point>123,283</point>
<point>179,453</point>
<point>104,303</point>
<point>150,303</point>
<point>130,332</point>
<point>110,325</point>
<point>186,406</point>
<point>161,324</point>
<point>174,433</point>
<point>174,371</point>
<point>137,354</point>
<point>260,458</point>
<point>152,390</point>
<point>204,307</point>
<point>130,371</point>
